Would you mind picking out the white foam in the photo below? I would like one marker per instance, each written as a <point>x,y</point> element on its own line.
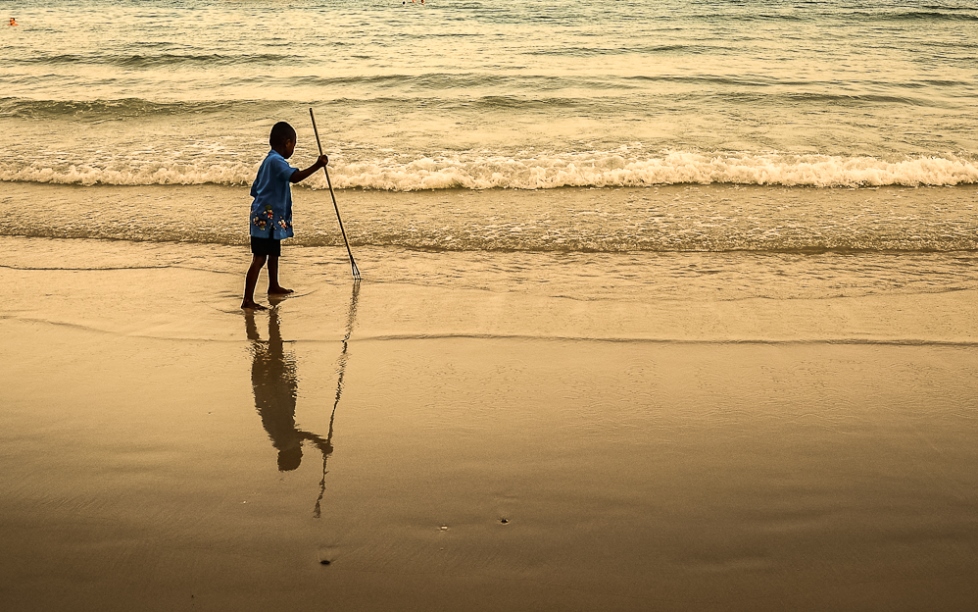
<point>592,169</point>
<point>617,170</point>
<point>142,174</point>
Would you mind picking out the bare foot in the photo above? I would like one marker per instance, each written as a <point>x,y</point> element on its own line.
<point>252,305</point>
<point>279,291</point>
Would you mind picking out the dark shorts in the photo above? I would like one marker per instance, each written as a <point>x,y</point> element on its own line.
<point>266,246</point>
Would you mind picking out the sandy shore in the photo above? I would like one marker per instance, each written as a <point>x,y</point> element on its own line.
<point>489,451</point>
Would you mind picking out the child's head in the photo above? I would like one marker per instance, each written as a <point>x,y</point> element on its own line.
<point>282,139</point>
<point>289,458</point>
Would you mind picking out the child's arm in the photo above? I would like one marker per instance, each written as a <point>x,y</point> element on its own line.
<point>301,175</point>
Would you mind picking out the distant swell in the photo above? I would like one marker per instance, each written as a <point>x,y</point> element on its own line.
<point>622,168</point>
<point>928,16</point>
<point>20,108</point>
<point>162,59</point>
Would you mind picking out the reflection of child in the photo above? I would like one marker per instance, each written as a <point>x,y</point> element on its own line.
<point>274,382</point>
<point>271,210</point>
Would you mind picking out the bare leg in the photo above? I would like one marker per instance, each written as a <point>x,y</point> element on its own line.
<point>251,281</point>
<point>273,287</point>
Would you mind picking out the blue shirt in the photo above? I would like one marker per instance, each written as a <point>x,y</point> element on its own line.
<point>271,211</point>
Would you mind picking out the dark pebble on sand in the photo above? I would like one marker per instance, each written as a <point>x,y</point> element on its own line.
<point>504,521</point>
<point>324,562</point>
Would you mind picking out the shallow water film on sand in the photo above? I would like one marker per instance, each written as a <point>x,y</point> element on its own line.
<point>490,440</point>
<point>665,305</point>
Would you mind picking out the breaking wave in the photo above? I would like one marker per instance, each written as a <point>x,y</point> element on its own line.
<point>622,168</point>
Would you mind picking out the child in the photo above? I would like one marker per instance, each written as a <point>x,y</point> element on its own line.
<point>271,210</point>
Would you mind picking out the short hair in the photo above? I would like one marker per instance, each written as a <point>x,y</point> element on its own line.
<point>281,132</point>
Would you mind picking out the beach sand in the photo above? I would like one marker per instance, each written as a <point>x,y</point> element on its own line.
<point>489,450</point>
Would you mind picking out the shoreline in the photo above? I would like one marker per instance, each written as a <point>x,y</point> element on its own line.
<point>709,218</point>
<point>558,300</point>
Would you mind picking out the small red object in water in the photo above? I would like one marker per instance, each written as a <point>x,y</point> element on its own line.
<point>13,21</point>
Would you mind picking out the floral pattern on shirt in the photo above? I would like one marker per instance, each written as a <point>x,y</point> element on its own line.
<point>266,218</point>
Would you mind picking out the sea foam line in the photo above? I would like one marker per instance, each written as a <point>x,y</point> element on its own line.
<point>592,169</point>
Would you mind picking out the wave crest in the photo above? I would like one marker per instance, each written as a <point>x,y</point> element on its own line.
<point>480,171</point>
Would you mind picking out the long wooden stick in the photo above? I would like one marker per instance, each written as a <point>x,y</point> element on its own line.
<point>353,263</point>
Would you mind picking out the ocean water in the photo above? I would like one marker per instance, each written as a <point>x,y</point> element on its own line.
<point>510,93</point>
<point>714,149</point>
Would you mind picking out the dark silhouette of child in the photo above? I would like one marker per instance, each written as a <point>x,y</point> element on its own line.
<point>273,378</point>
<point>271,211</point>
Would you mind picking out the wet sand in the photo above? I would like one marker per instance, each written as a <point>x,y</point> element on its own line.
<point>489,450</point>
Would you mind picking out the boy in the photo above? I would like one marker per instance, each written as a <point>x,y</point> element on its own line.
<point>271,210</point>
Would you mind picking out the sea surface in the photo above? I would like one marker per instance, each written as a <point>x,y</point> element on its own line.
<point>837,136</point>
<point>505,93</point>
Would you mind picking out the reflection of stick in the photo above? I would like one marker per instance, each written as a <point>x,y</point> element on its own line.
<point>353,263</point>
<point>341,367</point>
